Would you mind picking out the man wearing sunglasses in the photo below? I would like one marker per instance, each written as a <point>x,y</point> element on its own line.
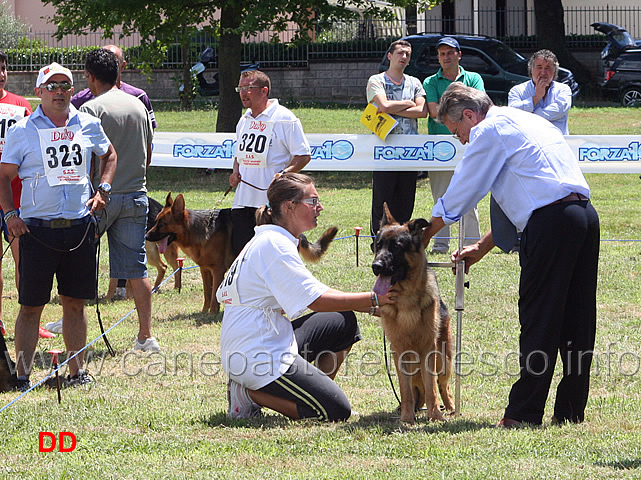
<point>269,141</point>
<point>51,150</point>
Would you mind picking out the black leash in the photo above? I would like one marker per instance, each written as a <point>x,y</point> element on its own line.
<point>102,328</point>
<point>389,375</point>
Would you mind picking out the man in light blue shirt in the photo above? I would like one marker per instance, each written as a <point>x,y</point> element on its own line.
<point>543,95</point>
<point>51,151</point>
<point>536,180</point>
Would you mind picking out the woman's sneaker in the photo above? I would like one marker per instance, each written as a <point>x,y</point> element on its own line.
<point>240,403</point>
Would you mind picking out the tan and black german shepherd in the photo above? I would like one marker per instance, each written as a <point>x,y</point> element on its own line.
<point>205,237</point>
<point>418,325</point>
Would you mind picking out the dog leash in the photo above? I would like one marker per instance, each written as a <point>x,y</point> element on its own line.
<point>389,375</point>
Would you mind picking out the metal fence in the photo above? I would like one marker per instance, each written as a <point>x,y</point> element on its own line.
<point>338,40</point>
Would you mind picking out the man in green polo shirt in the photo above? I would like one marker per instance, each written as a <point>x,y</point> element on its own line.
<point>449,55</point>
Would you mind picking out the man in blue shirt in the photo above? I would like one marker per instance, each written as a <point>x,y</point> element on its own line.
<point>536,180</point>
<point>51,151</point>
<point>543,95</point>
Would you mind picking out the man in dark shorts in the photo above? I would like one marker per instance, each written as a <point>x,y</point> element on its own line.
<point>51,151</point>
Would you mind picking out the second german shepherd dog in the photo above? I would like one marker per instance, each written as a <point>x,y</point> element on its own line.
<point>418,325</point>
<point>205,237</point>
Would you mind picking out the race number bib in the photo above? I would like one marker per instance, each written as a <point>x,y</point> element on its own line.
<point>63,155</point>
<point>253,143</point>
<point>227,293</point>
<point>9,114</point>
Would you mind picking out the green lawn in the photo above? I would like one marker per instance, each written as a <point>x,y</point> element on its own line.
<point>164,415</point>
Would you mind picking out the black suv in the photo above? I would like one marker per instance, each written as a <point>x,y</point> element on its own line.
<point>619,69</point>
<point>499,65</point>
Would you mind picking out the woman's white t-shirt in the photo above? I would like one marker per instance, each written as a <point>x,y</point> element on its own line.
<point>257,340</point>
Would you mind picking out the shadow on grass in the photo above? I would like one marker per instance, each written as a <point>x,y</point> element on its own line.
<point>389,423</point>
<point>198,318</point>
<point>385,423</point>
<point>628,464</point>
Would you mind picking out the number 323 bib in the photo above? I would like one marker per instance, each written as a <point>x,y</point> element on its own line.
<point>63,155</point>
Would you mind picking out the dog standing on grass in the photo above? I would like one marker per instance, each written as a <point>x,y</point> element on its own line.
<point>418,325</point>
<point>205,237</point>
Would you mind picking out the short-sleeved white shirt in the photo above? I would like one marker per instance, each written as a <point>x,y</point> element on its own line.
<point>255,349</point>
<point>287,140</point>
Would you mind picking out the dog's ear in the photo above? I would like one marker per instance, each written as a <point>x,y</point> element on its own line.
<point>168,200</point>
<point>387,218</point>
<point>417,229</point>
<point>178,207</point>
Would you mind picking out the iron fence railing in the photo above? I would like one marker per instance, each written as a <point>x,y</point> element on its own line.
<point>366,38</point>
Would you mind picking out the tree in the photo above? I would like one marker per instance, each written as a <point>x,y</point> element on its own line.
<point>11,27</point>
<point>164,22</point>
<point>550,31</point>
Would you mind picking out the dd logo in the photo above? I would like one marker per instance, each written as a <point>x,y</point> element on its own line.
<point>52,440</point>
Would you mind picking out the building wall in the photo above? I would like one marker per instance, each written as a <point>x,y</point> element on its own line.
<point>321,82</point>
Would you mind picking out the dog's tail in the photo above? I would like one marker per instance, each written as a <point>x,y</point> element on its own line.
<point>312,252</point>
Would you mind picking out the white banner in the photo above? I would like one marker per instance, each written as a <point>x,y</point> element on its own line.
<point>333,152</point>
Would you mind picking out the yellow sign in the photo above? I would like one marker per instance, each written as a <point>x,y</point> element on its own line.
<point>379,123</point>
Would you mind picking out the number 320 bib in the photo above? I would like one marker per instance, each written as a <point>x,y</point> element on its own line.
<point>253,143</point>
<point>63,155</point>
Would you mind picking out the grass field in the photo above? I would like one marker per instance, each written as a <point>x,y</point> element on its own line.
<point>164,415</point>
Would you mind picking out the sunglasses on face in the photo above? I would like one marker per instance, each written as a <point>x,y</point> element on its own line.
<point>244,89</point>
<point>313,201</point>
<point>52,87</point>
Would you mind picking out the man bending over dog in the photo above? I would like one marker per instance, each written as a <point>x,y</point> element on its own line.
<point>537,184</point>
<point>51,151</point>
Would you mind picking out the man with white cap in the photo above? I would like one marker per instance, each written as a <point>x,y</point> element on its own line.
<point>51,150</point>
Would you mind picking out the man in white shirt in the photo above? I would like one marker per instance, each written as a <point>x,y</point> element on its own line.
<point>270,141</point>
<point>543,95</point>
<point>536,180</point>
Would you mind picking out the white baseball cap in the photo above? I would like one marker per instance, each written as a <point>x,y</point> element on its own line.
<point>49,71</point>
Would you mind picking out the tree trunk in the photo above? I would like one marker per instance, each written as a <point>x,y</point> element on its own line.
<point>229,54</point>
<point>187,95</point>
<point>550,30</point>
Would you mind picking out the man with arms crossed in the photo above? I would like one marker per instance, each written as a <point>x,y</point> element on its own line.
<point>269,141</point>
<point>51,151</point>
<point>402,97</point>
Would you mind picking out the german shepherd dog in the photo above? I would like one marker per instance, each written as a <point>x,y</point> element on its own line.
<point>205,237</point>
<point>153,255</point>
<point>418,325</point>
<point>8,379</point>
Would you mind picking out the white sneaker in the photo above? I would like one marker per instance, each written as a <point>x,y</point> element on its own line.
<point>120,293</point>
<point>240,403</point>
<point>54,327</point>
<point>149,345</point>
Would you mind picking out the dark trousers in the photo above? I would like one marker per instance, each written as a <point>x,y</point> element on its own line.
<point>398,190</point>
<point>557,310</point>
<point>243,221</point>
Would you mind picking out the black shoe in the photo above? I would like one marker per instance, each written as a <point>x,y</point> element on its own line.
<point>83,378</point>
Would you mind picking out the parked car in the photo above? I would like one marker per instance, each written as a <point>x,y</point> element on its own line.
<point>619,68</point>
<point>499,65</point>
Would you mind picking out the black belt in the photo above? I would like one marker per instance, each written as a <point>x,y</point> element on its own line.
<point>573,197</point>
<point>57,222</point>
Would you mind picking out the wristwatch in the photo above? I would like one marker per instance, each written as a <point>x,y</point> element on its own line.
<point>105,188</point>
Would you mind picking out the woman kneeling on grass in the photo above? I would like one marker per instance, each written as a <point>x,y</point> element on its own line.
<point>265,355</point>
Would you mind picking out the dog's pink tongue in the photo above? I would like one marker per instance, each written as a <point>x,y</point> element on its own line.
<point>162,245</point>
<point>382,285</point>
